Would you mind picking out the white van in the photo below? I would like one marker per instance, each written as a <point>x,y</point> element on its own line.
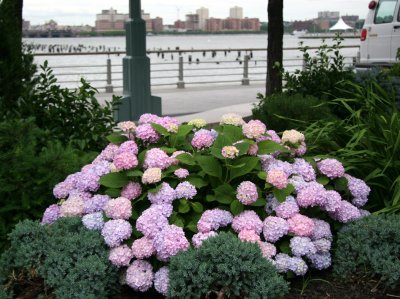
<point>380,36</point>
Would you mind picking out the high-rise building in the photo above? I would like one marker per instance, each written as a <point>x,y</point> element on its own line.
<point>110,19</point>
<point>203,16</point>
<point>328,15</point>
<point>236,12</point>
<point>157,24</point>
<point>192,22</point>
<point>251,24</point>
<point>214,25</point>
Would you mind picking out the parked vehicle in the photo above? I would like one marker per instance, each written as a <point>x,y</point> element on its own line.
<point>380,36</point>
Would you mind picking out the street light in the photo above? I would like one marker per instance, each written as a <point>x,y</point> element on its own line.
<point>137,98</point>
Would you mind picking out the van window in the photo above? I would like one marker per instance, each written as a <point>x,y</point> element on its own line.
<point>385,11</point>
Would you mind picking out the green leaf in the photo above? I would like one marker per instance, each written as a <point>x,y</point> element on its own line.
<point>285,247</point>
<point>341,184</point>
<point>210,198</point>
<point>262,175</point>
<point>236,207</point>
<point>250,164</point>
<point>183,206</point>
<point>192,226</point>
<point>114,180</point>
<point>259,203</point>
<point>267,147</point>
<point>234,133</point>
<point>225,194</point>
<point>197,207</point>
<point>323,180</point>
<point>183,130</point>
<point>210,166</point>
<point>156,189</point>
<point>177,220</point>
<point>116,138</point>
<point>168,150</point>
<point>216,152</point>
<point>197,181</point>
<point>160,129</point>
<point>243,148</point>
<point>281,194</point>
<point>134,173</point>
<point>114,193</point>
<point>186,159</point>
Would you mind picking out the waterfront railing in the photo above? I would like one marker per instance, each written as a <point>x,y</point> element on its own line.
<point>183,69</point>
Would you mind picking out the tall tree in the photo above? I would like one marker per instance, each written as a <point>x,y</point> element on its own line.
<point>275,47</point>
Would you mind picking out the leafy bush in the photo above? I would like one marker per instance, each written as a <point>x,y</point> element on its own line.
<point>296,111</point>
<point>367,141</point>
<point>72,116</point>
<point>31,165</point>
<point>226,266</point>
<point>65,259</point>
<point>370,247</point>
<point>322,74</point>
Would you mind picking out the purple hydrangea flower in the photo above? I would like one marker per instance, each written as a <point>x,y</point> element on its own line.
<point>156,158</point>
<point>116,231</point>
<point>282,262</point>
<point>109,152</point>
<point>185,190</point>
<point>51,214</point>
<point>93,221</point>
<point>288,208</point>
<point>88,182</point>
<point>169,242</point>
<point>247,193</point>
<point>203,139</point>
<point>131,191</point>
<point>148,118</point>
<point>301,225</point>
<point>61,190</point>
<point>302,246</point>
<point>165,195</point>
<point>323,245</point>
<point>358,188</point>
<point>152,221</point>
<point>72,207</point>
<point>125,161</point>
<point>321,260</point>
<point>303,168</point>
<point>298,182</point>
<point>311,195</point>
<point>247,220</point>
<point>268,250</point>
<point>120,256</point>
<point>161,281</point>
<point>181,173</point>
<point>118,208</point>
<point>101,168</point>
<point>96,203</point>
<point>146,133</point>
<point>198,238</point>
<point>332,168</point>
<point>129,146</point>
<point>298,266</point>
<point>143,248</point>
<point>321,230</point>
<point>213,219</point>
<point>139,276</point>
<point>346,212</point>
<point>268,163</point>
<point>253,129</point>
<point>274,228</point>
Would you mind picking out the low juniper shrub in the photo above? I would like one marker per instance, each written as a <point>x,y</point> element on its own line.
<point>370,247</point>
<point>224,265</point>
<point>64,259</point>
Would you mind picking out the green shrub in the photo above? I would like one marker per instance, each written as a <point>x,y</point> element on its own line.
<point>322,74</point>
<point>31,165</point>
<point>367,141</point>
<point>370,247</point>
<point>224,264</point>
<point>65,259</point>
<point>72,116</point>
<point>284,111</point>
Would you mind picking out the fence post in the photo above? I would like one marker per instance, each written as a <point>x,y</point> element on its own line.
<point>245,80</point>
<point>181,83</point>
<point>109,87</point>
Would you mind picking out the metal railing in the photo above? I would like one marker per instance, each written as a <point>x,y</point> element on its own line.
<point>246,68</point>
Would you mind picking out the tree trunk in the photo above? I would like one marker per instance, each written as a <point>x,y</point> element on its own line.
<point>275,45</point>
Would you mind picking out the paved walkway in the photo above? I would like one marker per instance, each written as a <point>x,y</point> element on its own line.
<point>208,102</point>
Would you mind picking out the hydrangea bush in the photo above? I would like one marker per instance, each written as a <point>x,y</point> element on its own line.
<point>161,187</point>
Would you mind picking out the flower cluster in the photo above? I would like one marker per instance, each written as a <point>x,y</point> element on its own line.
<point>163,186</point>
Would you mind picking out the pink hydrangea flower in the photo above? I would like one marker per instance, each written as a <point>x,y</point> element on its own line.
<point>152,221</point>
<point>146,133</point>
<point>199,238</point>
<point>346,212</point>
<point>169,242</point>
<point>185,190</point>
<point>143,248</point>
<point>277,178</point>
<point>181,173</point>
<point>332,168</point>
<point>268,250</point>
<point>203,139</point>
<point>253,149</point>
<point>229,152</point>
<point>127,126</point>
<point>247,193</point>
<point>287,209</point>
<point>109,152</point>
<point>118,208</point>
<point>156,158</point>
<point>125,160</point>
<point>301,225</point>
<point>116,231</point>
<point>311,195</point>
<point>139,276</point>
<point>161,281</point>
<point>129,146</point>
<point>131,191</point>
<point>249,236</point>
<point>213,219</point>
<point>254,129</point>
<point>247,220</point>
<point>166,195</point>
<point>120,256</point>
<point>274,228</point>
<point>72,207</point>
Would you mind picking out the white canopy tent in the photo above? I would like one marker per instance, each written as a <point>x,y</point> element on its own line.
<point>340,25</point>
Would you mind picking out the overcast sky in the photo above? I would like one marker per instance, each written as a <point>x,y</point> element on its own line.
<point>78,12</point>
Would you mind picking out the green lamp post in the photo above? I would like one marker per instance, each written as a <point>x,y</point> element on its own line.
<point>137,98</point>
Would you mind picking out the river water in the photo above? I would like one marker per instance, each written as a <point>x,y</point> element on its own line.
<point>227,65</point>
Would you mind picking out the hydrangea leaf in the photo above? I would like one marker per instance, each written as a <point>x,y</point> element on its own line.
<point>114,180</point>
<point>210,166</point>
<point>323,180</point>
<point>134,173</point>
<point>259,203</point>
<point>236,207</point>
<point>116,138</point>
<point>267,147</point>
<point>160,129</point>
<point>183,206</point>
<point>186,159</point>
<point>197,207</point>
<point>197,181</point>
<point>250,164</point>
<point>183,130</point>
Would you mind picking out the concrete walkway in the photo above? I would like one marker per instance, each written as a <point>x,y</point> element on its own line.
<point>208,102</point>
